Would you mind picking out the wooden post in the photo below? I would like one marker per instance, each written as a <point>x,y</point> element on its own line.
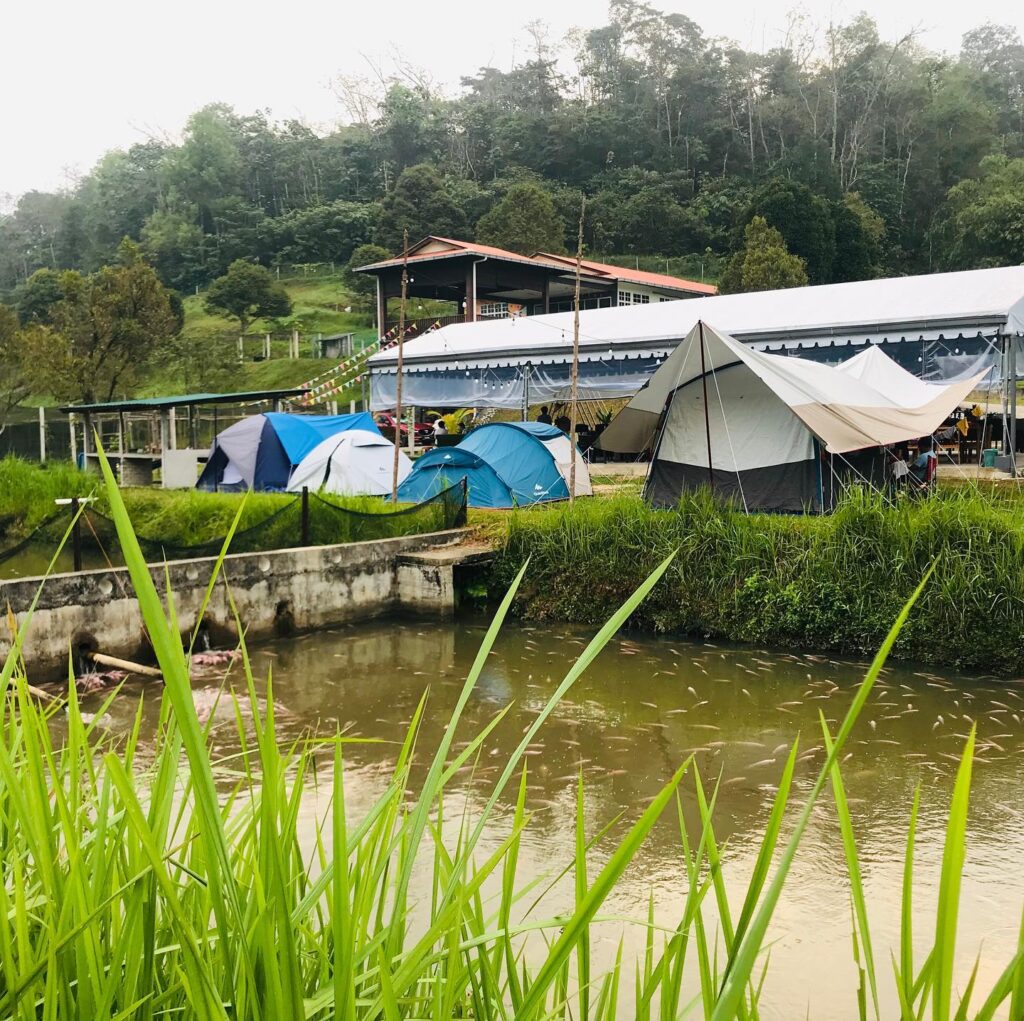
<point>120,448</point>
<point>412,429</point>
<point>74,439</point>
<point>382,309</point>
<point>575,379</point>
<point>707,420</point>
<point>398,367</point>
<point>76,536</point>
<point>266,346</point>
<point>241,348</point>
<point>42,433</point>
<point>305,515</point>
<point>352,407</point>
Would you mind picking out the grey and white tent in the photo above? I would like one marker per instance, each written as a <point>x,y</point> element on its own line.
<point>353,463</point>
<point>774,432</point>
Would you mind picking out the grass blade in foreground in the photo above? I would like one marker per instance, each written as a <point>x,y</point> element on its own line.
<point>741,963</point>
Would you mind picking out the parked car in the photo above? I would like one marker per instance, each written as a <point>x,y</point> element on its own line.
<point>424,431</point>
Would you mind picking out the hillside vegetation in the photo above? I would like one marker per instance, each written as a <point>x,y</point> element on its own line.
<point>211,342</point>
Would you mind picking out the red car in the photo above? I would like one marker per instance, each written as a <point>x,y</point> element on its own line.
<point>424,431</point>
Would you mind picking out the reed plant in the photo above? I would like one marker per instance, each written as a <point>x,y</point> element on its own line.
<point>154,881</point>
<point>833,582</point>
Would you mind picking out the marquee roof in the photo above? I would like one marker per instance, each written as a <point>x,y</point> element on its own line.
<point>969,304</point>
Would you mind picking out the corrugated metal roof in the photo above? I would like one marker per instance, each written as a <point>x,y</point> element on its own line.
<point>629,275</point>
<point>182,401</point>
<point>563,263</point>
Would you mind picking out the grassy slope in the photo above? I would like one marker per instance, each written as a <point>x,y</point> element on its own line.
<point>318,306</point>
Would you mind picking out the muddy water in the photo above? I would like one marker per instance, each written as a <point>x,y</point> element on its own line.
<point>632,720</point>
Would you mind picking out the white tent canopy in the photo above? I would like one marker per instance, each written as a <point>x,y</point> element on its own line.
<point>354,463</point>
<point>754,423</point>
<point>509,362</point>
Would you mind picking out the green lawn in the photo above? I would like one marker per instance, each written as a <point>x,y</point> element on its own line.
<point>318,306</point>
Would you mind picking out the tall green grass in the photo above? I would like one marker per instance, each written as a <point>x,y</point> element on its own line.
<point>833,582</point>
<point>135,888</point>
<point>174,520</point>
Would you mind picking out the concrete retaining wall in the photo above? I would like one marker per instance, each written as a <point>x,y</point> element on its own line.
<point>275,593</point>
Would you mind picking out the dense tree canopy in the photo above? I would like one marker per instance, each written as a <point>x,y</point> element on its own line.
<point>247,292</point>
<point>104,330</point>
<point>867,155</point>
<point>763,263</point>
<point>524,221</point>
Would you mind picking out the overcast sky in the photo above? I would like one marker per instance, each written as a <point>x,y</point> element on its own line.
<point>78,79</point>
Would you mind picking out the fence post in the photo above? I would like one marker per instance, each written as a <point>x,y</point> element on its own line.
<point>76,536</point>
<point>241,348</point>
<point>305,515</point>
<point>266,346</point>
<point>42,433</point>
<point>461,514</point>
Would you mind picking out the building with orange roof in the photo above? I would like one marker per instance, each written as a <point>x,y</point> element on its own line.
<point>483,282</point>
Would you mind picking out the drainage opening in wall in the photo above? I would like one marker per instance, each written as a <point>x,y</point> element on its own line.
<point>284,619</point>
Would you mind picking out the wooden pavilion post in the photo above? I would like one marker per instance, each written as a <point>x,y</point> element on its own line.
<point>575,385</point>
<point>398,367</point>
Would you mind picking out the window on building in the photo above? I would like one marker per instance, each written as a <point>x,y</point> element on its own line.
<point>494,309</point>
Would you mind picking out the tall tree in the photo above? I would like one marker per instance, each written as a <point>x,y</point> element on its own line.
<point>803,219</point>
<point>247,292</point>
<point>524,221</point>
<point>982,221</point>
<point>420,203</point>
<point>763,263</point>
<point>15,381</point>
<point>106,330</point>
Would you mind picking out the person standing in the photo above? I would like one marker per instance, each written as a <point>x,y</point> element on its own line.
<point>544,416</point>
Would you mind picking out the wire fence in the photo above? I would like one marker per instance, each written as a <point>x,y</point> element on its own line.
<point>307,520</point>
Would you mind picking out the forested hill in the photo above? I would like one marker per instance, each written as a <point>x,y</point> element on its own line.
<point>868,155</point>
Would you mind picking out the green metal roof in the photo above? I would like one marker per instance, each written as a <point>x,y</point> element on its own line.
<point>183,401</point>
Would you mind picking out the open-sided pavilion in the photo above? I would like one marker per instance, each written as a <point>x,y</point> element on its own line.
<point>178,464</point>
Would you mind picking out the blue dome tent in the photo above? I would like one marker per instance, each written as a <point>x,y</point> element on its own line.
<point>260,451</point>
<point>505,464</point>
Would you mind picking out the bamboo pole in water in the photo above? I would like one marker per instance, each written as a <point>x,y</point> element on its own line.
<point>125,664</point>
<point>398,367</point>
<point>574,390</point>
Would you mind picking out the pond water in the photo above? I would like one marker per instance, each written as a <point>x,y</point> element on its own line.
<point>632,719</point>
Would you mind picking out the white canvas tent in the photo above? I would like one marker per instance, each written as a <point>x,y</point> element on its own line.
<point>354,463</point>
<point>754,425</point>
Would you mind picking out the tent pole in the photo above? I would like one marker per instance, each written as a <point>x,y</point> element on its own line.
<point>398,367</point>
<point>1011,398</point>
<point>707,420</point>
<point>575,388</point>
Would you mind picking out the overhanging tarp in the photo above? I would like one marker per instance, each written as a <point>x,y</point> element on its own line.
<point>939,327</point>
<point>868,402</point>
